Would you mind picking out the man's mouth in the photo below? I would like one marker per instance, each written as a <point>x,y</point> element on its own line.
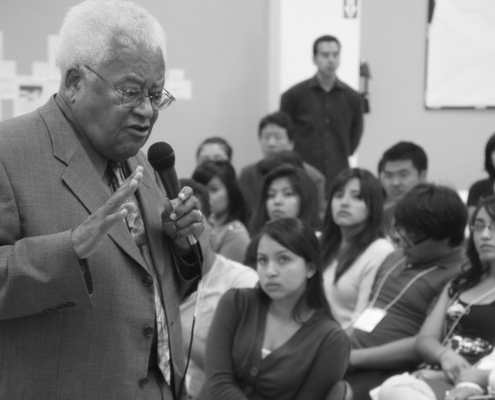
<point>141,128</point>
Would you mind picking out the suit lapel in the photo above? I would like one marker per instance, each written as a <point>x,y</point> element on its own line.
<point>81,176</point>
<point>151,210</point>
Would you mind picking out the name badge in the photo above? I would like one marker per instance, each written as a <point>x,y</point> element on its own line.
<point>369,319</point>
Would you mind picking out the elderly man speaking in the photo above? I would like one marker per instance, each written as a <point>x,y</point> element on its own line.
<point>93,261</point>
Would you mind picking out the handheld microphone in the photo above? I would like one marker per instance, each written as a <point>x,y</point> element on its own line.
<point>161,156</point>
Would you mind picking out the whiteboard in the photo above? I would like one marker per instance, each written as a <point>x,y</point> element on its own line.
<point>460,69</point>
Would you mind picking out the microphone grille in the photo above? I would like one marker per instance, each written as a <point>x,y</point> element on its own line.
<point>161,156</point>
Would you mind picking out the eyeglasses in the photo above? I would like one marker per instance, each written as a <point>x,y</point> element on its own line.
<point>133,98</point>
<point>398,235</point>
<point>480,226</point>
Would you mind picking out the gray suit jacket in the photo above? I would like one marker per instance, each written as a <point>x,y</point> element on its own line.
<point>58,341</point>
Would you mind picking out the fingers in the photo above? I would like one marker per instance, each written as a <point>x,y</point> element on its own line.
<point>88,237</point>
<point>187,210</point>
<point>191,223</point>
<point>118,206</point>
<point>186,219</point>
<point>128,187</point>
<point>455,372</point>
<point>451,375</point>
<point>184,197</point>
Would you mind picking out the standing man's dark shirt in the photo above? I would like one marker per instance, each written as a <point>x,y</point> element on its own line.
<point>327,114</point>
<point>327,126</point>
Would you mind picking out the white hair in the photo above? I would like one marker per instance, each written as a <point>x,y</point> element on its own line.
<point>89,28</point>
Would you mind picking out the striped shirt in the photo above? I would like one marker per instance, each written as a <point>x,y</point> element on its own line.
<point>327,125</point>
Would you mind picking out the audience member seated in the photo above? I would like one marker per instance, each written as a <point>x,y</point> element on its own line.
<point>401,168</point>
<point>286,192</point>
<point>484,187</point>
<point>275,135</point>
<point>461,328</point>
<point>220,275</point>
<point>352,243</point>
<point>229,236</point>
<point>429,227</point>
<point>214,149</point>
<point>279,340</point>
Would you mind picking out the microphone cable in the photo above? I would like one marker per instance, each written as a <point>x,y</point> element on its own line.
<point>199,293</point>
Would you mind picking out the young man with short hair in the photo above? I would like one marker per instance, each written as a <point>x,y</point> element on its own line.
<point>429,227</point>
<point>275,136</point>
<point>327,113</point>
<point>402,167</point>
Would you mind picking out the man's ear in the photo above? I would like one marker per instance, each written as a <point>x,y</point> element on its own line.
<point>72,82</point>
<point>422,176</point>
<point>291,145</point>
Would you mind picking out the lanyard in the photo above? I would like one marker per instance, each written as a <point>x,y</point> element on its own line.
<point>397,298</point>
<point>464,312</point>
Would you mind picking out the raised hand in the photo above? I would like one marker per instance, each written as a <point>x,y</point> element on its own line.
<point>88,237</point>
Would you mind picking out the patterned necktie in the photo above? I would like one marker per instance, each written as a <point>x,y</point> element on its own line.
<point>136,227</point>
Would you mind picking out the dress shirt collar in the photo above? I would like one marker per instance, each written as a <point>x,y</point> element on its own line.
<point>315,83</point>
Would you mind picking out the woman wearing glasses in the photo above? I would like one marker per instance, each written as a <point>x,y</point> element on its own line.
<point>461,328</point>
<point>279,340</point>
<point>352,243</point>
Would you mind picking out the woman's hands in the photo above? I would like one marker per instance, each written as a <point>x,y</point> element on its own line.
<point>469,383</point>
<point>461,393</point>
<point>453,364</point>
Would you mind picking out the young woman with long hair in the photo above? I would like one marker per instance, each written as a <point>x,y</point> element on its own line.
<point>286,192</point>
<point>279,340</point>
<point>229,237</point>
<point>352,243</point>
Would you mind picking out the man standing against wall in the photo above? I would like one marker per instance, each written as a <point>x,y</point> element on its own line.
<point>327,113</point>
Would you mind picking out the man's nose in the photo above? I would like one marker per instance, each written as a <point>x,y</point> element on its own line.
<point>272,141</point>
<point>145,109</point>
<point>395,180</point>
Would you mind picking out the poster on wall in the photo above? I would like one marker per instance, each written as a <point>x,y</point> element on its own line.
<point>30,95</point>
<point>460,54</point>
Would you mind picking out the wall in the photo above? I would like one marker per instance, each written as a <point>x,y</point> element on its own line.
<point>301,22</point>
<point>221,45</point>
<point>393,40</point>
